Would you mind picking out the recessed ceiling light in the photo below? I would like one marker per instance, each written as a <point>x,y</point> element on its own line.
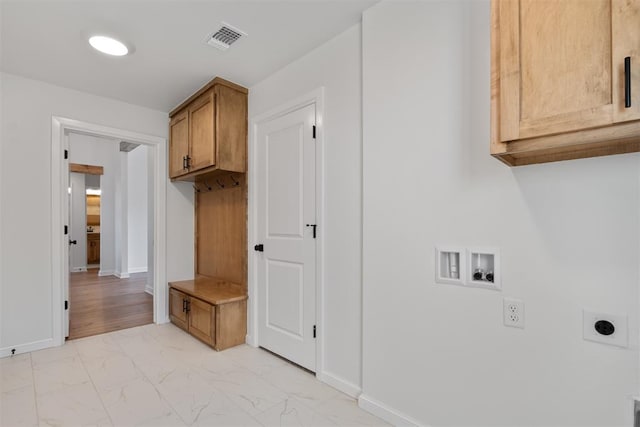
<point>108,45</point>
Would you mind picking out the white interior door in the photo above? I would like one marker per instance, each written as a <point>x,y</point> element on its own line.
<point>286,228</point>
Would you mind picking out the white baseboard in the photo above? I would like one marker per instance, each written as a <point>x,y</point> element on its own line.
<point>138,270</point>
<point>251,341</point>
<point>339,384</point>
<point>106,272</point>
<point>26,348</point>
<point>388,414</point>
<point>77,269</point>
<point>121,275</point>
<point>148,289</point>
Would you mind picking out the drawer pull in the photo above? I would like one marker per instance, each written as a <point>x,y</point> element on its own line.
<point>627,82</point>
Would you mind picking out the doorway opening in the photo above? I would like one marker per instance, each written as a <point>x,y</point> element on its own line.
<point>109,245</point>
<point>122,265</point>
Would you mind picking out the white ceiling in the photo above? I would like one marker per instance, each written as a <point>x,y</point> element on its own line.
<point>47,40</point>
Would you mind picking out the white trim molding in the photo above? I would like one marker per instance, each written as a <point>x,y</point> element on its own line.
<point>148,288</point>
<point>388,414</point>
<point>251,341</point>
<point>121,275</point>
<point>60,128</point>
<point>26,348</point>
<point>314,97</point>
<point>340,384</point>
<point>102,273</point>
<point>138,270</point>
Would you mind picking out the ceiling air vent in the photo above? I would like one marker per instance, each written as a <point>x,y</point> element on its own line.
<point>225,37</point>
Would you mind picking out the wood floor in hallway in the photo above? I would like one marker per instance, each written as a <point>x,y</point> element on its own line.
<point>104,304</point>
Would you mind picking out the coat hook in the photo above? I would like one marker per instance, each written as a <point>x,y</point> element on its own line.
<point>219,183</point>
<point>207,185</point>
<point>195,187</point>
<point>235,183</point>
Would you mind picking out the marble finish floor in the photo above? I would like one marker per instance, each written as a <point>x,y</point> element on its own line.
<point>157,375</point>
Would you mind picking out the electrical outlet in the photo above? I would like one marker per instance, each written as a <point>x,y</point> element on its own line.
<point>513,312</point>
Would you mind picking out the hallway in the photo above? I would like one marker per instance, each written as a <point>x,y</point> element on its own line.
<point>103,304</point>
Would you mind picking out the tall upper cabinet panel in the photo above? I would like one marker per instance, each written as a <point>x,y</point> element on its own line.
<point>559,80</point>
<point>208,131</point>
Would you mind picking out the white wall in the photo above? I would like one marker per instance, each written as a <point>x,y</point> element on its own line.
<point>121,215</point>
<point>25,277</point>
<point>78,226</point>
<point>336,66</point>
<point>89,150</point>
<point>568,233</point>
<point>137,193</point>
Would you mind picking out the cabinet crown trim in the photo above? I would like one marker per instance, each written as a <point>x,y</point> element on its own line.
<point>206,87</point>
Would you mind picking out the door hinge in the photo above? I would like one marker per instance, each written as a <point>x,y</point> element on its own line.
<point>66,305</point>
<point>315,226</point>
<point>66,229</point>
<point>314,331</point>
<point>314,131</point>
<point>66,154</point>
<point>259,248</point>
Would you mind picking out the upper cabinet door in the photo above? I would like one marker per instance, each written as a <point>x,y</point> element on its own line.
<point>178,144</point>
<point>626,43</point>
<point>202,132</point>
<point>556,71</point>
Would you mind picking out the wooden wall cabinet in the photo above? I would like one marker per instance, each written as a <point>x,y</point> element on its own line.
<point>208,131</point>
<point>558,79</point>
<point>208,145</point>
<point>93,248</point>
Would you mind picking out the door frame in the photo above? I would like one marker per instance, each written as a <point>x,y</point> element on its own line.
<point>60,128</point>
<point>314,97</point>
